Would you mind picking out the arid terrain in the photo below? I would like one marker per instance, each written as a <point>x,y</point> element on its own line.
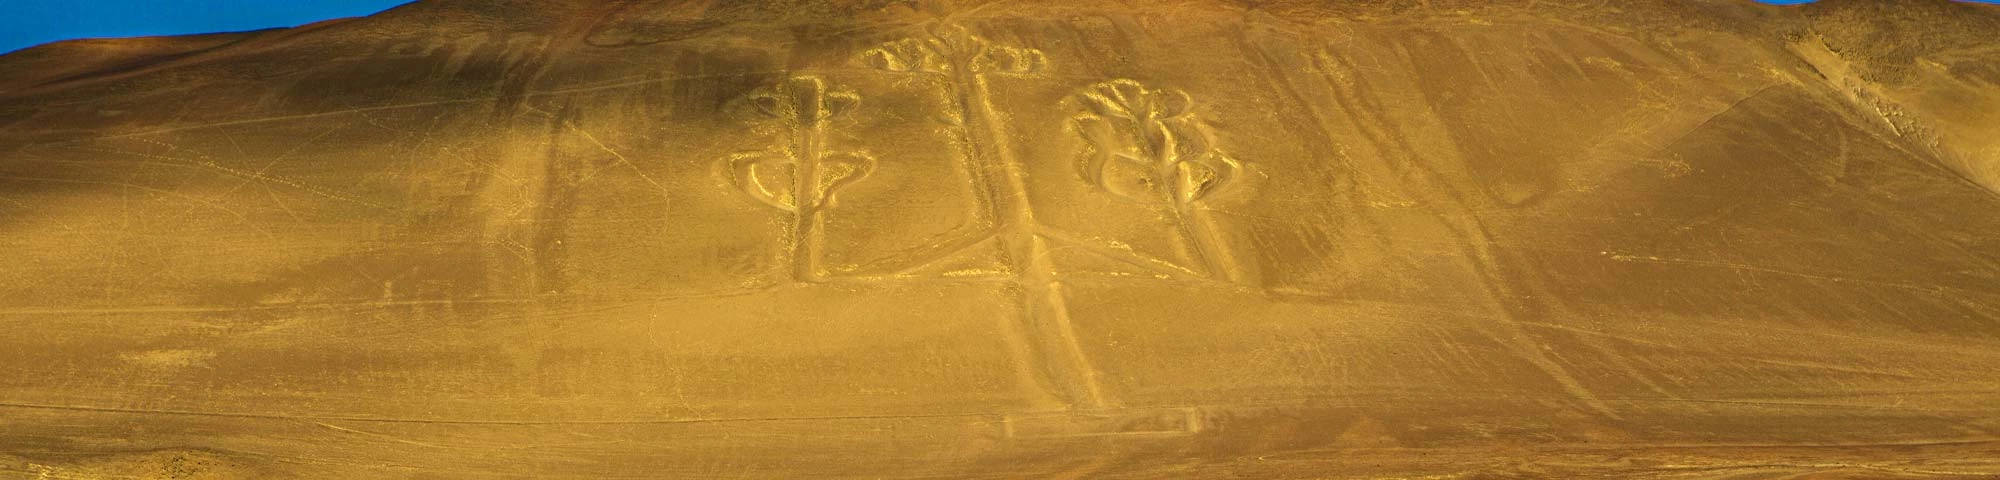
<point>594,239</point>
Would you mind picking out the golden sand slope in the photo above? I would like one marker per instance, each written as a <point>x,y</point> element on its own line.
<point>1044,239</point>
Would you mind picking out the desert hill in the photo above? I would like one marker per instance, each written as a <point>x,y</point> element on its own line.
<point>1100,239</point>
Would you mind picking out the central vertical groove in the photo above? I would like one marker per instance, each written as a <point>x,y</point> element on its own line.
<point>805,199</point>
<point>1200,229</point>
<point>1046,321</point>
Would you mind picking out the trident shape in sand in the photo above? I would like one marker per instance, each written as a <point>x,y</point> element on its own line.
<point>801,173</point>
<point>1147,145</point>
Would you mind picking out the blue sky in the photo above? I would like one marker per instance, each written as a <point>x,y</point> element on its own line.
<point>25,23</point>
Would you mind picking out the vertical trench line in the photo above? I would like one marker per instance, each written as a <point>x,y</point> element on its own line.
<point>994,159</point>
<point>805,194</point>
<point>975,166</point>
<point>552,215</point>
<point>1014,334</point>
<point>1167,167</point>
<point>1193,222</point>
<point>984,221</point>
<point>1200,225</point>
<point>1017,333</point>
<point>1203,254</point>
<point>1048,321</point>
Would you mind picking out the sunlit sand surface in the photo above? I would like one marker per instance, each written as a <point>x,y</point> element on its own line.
<point>1688,239</point>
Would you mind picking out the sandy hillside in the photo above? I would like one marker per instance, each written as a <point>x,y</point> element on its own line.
<point>1671,239</point>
